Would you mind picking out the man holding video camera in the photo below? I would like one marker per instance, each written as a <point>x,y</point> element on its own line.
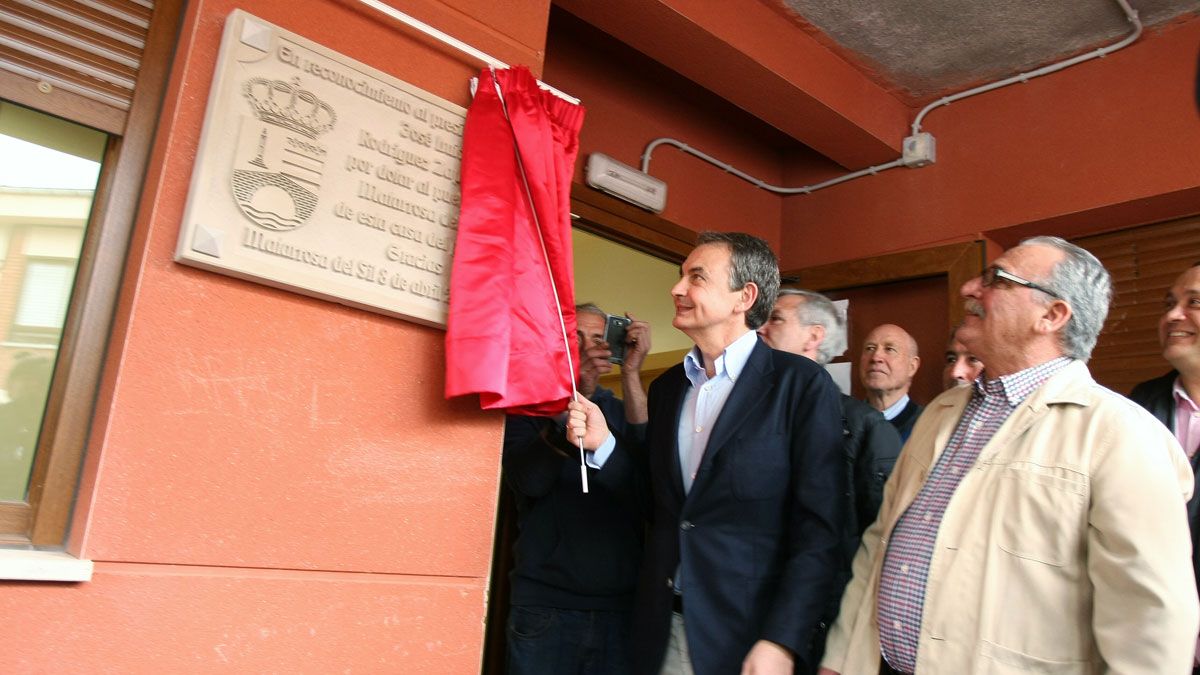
<point>577,555</point>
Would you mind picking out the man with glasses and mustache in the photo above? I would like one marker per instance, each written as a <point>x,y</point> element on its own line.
<point>1035,520</point>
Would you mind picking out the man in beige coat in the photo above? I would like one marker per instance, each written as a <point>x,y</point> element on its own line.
<point>1035,521</point>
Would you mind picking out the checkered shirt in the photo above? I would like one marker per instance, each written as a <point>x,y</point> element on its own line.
<point>910,549</point>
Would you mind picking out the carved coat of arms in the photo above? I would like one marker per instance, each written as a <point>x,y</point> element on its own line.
<point>279,160</point>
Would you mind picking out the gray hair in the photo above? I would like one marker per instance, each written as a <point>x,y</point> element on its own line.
<point>1081,280</point>
<point>750,260</point>
<point>591,308</point>
<point>818,310</point>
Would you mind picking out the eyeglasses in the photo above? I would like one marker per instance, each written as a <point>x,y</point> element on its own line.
<point>991,274</point>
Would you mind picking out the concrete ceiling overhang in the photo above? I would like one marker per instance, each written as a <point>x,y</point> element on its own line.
<point>924,49</point>
<point>846,78</point>
<point>755,57</point>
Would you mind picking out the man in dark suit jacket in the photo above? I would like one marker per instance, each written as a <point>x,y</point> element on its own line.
<point>744,448</point>
<point>809,324</point>
<point>1179,390</point>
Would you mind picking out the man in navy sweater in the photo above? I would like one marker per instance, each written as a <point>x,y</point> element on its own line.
<point>888,363</point>
<point>577,554</point>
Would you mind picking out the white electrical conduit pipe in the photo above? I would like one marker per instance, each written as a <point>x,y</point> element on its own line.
<point>751,179</point>
<point>452,42</point>
<point>1130,14</point>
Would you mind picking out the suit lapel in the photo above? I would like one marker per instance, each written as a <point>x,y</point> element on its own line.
<point>674,399</point>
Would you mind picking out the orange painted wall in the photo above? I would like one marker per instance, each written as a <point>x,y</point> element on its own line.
<point>275,483</point>
<point>1110,143</point>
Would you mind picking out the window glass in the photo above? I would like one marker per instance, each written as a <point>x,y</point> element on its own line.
<point>44,294</point>
<point>48,173</point>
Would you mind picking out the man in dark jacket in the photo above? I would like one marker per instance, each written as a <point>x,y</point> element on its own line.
<point>1173,397</point>
<point>744,449</point>
<point>808,324</point>
<point>577,554</point>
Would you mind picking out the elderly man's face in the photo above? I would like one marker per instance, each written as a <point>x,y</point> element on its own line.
<point>783,330</point>
<point>1001,318</point>
<point>888,362</point>
<point>1179,327</point>
<point>589,326</point>
<point>961,365</point>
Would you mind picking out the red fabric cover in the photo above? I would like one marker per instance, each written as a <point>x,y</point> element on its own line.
<point>504,340</point>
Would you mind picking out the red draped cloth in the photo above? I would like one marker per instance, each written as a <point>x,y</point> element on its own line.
<point>513,273</point>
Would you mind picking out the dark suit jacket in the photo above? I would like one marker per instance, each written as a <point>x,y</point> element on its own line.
<point>757,538</point>
<point>1155,396</point>
<point>872,446</point>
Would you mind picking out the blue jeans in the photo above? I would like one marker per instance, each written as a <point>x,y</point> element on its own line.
<point>544,640</point>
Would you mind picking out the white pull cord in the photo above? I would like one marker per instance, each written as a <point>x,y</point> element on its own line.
<point>583,478</point>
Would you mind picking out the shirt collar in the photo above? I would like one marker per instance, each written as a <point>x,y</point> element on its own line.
<point>1019,385</point>
<point>1181,395</point>
<point>731,362</point>
<point>896,408</point>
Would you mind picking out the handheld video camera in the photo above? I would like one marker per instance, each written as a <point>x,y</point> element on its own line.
<point>614,334</point>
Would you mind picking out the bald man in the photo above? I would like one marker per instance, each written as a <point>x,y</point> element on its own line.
<point>887,366</point>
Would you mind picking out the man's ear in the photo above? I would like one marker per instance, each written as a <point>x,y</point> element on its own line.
<point>1054,318</point>
<point>914,363</point>
<point>816,335</point>
<point>749,294</point>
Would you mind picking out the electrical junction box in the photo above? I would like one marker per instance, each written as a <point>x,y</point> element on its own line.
<point>919,150</point>
<point>625,182</point>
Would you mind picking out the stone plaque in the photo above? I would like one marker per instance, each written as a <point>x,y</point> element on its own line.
<point>321,175</point>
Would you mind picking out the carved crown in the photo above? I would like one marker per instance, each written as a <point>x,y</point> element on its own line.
<point>285,104</point>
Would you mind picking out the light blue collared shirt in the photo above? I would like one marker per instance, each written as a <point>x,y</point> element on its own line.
<point>728,368</point>
<point>703,402</point>
<point>702,405</point>
<point>895,409</point>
